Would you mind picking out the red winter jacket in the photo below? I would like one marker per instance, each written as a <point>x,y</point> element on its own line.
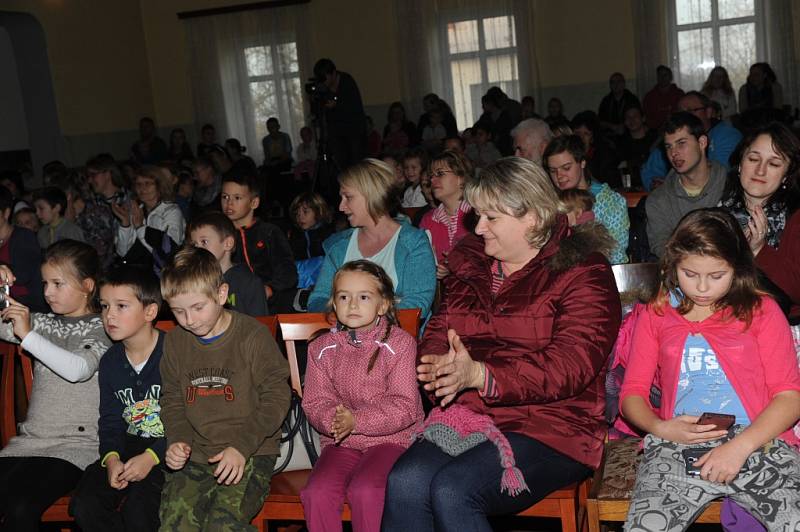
<point>545,337</point>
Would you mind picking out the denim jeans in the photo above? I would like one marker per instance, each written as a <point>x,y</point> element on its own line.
<point>430,490</point>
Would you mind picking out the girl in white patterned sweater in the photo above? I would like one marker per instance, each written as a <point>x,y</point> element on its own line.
<point>58,439</point>
<point>361,395</point>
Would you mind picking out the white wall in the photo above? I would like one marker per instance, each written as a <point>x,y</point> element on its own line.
<point>13,125</point>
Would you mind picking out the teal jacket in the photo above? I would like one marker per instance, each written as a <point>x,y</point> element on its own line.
<point>414,262</point>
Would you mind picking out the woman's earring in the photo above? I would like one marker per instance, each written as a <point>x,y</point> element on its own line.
<point>783,185</point>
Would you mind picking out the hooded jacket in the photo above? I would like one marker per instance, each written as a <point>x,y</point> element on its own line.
<point>544,337</point>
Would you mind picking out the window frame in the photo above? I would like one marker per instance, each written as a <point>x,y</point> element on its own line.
<point>673,28</point>
<point>482,54</point>
<point>277,77</point>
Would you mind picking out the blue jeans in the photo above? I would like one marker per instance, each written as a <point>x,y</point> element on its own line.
<point>430,490</point>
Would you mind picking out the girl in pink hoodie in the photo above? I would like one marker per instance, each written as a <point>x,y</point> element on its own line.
<point>717,344</point>
<point>361,395</point>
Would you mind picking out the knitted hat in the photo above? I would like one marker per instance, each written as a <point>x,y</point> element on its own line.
<point>457,429</point>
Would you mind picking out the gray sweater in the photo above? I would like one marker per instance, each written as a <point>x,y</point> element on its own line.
<point>62,415</point>
<point>65,229</point>
<point>667,204</point>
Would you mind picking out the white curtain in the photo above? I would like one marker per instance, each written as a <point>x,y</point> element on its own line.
<point>779,25</point>
<point>248,66</point>
<point>459,48</point>
<point>650,41</point>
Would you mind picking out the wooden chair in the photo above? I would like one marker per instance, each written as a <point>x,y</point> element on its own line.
<point>640,279</point>
<point>283,503</point>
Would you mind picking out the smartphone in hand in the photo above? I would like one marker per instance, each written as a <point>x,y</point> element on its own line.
<point>721,421</point>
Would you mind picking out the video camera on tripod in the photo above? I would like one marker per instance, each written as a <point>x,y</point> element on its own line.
<point>319,92</point>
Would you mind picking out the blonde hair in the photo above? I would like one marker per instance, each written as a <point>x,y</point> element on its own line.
<point>576,199</point>
<point>192,270</point>
<point>162,178</point>
<point>375,180</point>
<point>517,186</point>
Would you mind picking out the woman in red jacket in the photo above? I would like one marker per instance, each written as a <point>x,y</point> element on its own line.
<point>763,195</point>
<point>522,336</point>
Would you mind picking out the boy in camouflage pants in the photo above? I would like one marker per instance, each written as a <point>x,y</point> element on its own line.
<point>225,395</point>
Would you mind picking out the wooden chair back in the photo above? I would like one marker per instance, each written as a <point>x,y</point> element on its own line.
<point>640,279</point>
<point>270,321</point>
<point>300,327</point>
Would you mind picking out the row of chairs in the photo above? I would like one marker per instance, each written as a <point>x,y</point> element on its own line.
<point>283,503</point>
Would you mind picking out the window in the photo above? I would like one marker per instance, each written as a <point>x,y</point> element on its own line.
<point>706,33</point>
<point>274,88</point>
<point>481,53</point>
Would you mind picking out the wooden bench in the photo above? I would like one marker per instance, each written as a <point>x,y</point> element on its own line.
<point>58,512</point>
<point>609,497</point>
<point>283,502</point>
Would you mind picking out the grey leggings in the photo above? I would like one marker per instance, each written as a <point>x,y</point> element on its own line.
<point>666,499</point>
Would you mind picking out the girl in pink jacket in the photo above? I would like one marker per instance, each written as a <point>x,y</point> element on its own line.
<point>718,345</point>
<point>361,395</point>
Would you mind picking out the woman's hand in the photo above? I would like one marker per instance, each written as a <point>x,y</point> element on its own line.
<point>722,464</point>
<point>685,430</point>
<point>122,212</point>
<point>447,375</point>
<point>137,215</point>
<point>6,276</point>
<point>20,317</point>
<point>756,230</point>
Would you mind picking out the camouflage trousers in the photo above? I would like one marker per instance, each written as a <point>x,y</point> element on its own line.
<point>192,500</point>
<point>667,499</point>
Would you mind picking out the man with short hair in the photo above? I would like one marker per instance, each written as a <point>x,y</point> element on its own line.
<point>693,183</point>
<point>530,138</point>
<point>662,100</point>
<point>722,138</point>
<point>612,107</point>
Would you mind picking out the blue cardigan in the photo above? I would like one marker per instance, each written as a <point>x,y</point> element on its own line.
<point>414,262</point>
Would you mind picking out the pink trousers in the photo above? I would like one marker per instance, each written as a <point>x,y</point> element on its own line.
<point>358,477</point>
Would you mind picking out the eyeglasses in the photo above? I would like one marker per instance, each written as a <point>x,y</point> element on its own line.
<point>695,110</point>
<point>441,173</point>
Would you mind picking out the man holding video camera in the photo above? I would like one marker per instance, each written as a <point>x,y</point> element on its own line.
<point>340,100</point>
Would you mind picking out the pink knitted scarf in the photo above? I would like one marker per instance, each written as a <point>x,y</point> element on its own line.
<point>456,429</point>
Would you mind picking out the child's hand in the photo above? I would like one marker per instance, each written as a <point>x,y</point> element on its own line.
<point>343,424</point>
<point>441,271</point>
<point>230,468</point>
<point>177,455</point>
<point>138,467</point>
<point>114,468</point>
<point>685,430</point>
<point>20,317</point>
<point>722,464</point>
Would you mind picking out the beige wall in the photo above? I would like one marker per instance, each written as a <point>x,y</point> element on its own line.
<point>116,60</point>
<point>579,42</point>
<point>97,60</point>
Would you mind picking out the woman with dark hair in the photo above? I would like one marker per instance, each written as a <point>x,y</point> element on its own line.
<point>429,103</point>
<point>515,353</point>
<point>764,196</point>
<point>565,159</point>
<point>241,162</point>
<point>179,149</point>
<point>600,156</point>
<point>400,133</point>
<point>718,88</point>
<point>762,90</point>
